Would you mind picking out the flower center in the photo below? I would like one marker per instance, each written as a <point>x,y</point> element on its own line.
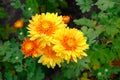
<point>69,43</point>
<point>29,46</point>
<point>46,27</point>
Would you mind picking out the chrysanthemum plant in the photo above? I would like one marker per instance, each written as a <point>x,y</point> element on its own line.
<point>47,47</point>
<point>102,29</point>
<point>53,41</point>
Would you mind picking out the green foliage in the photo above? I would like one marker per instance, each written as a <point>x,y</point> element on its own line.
<point>84,22</point>
<point>38,74</point>
<point>16,3</point>
<point>0,76</point>
<point>34,71</point>
<point>105,4</point>
<point>3,14</point>
<point>102,30</point>
<point>92,34</point>
<point>115,46</point>
<point>52,5</point>
<point>72,70</point>
<point>31,7</point>
<point>101,54</point>
<point>104,73</point>
<point>84,76</point>
<point>13,61</point>
<point>5,31</point>
<point>85,5</point>
<point>10,52</point>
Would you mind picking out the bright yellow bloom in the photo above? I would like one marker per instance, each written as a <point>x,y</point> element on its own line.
<point>70,44</point>
<point>49,58</point>
<point>30,48</point>
<point>43,26</point>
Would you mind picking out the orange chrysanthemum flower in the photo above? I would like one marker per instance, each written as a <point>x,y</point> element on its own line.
<point>18,24</point>
<point>49,57</point>
<point>30,48</point>
<point>44,25</point>
<point>70,44</point>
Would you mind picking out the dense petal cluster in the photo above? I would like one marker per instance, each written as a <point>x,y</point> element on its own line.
<point>70,44</point>
<point>52,41</point>
<point>43,26</point>
<point>30,48</point>
<point>49,57</point>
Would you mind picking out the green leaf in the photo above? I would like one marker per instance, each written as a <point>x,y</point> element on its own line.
<point>85,5</point>
<point>116,46</point>
<point>4,47</point>
<point>0,76</point>
<point>32,6</point>
<point>19,67</point>
<point>110,26</point>
<point>30,69</point>
<point>38,74</point>
<point>52,1</point>
<point>60,77</point>
<point>109,23</point>
<point>84,22</point>
<point>73,69</point>
<point>92,34</point>
<point>118,23</point>
<point>3,14</point>
<point>111,30</point>
<point>98,54</point>
<point>7,56</point>
<point>104,4</point>
<point>16,3</point>
<point>10,52</point>
<point>8,76</point>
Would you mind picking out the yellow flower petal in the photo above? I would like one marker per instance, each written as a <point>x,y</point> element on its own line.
<point>70,44</point>
<point>44,25</point>
<point>49,58</point>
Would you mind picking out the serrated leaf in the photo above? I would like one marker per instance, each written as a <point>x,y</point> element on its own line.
<point>91,34</point>
<point>73,69</point>
<point>7,56</point>
<point>104,4</point>
<point>85,5</point>
<point>19,67</point>
<point>38,74</point>
<point>84,22</point>
<point>8,76</point>
<point>99,54</point>
<point>30,69</point>
<point>111,30</point>
<point>4,47</point>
